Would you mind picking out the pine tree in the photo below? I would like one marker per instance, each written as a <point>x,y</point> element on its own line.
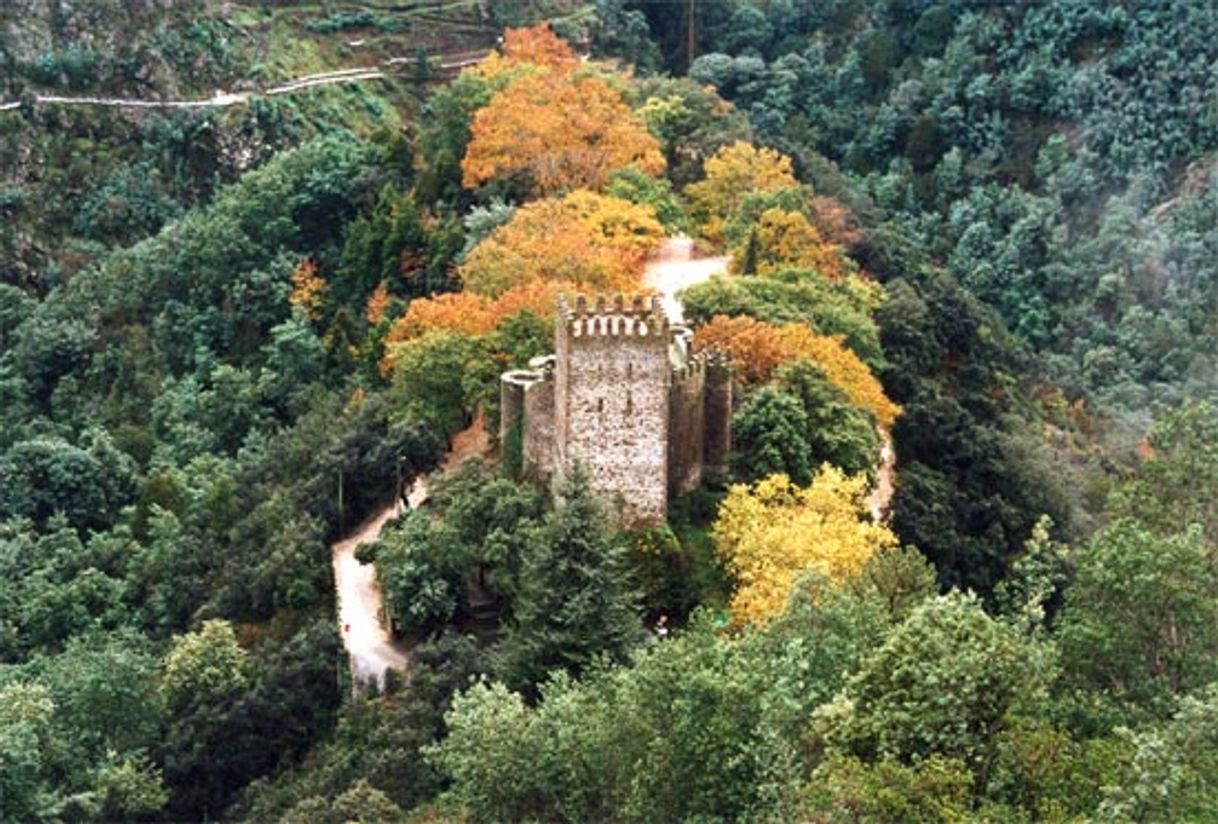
<point>422,68</point>
<point>575,602</point>
<point>749,266</point>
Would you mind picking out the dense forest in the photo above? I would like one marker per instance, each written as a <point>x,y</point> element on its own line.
<point>262,264</point>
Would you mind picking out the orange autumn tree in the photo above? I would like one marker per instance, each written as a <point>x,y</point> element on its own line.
<point>771,533</point>
<point>377,304</point>
<point>732,174</point>
<point>308,289</point>
<point>470,314</point>
<point>565,130</point>
<point>463,312</point>
<point>593,242</point>
<point>540,46</point>
<point>759,348</point>
<point>788,240</point>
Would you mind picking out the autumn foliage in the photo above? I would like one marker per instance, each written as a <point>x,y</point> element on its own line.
<point>759,348</point>
<point>471,314</point>
<point>378,304</point>
<point>308,289</point>
<point>475,314</point>
<point>563,128</point>
<point>540,46</point>
<point>772,532</point>
<point>732,174</point>
<point>591,241</point>
<point>788,240</point>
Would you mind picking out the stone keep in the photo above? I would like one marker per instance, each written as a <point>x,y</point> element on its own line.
<point>624,395</point>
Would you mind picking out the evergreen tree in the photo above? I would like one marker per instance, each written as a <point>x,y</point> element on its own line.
<point>574,602</point>
<point>751,252</point>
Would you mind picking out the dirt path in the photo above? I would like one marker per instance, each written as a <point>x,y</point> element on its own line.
<point>372,650</point>
<point>223,99</point>
<point>880,499</point>
<point>674,267</point>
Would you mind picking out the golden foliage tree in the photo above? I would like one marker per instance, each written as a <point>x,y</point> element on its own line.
<point>308,289</point>
<point>788,240</point>
<point>772,532</point>
<point>471,314</point>
<point>463,312</point>
<point>759,348</point>
<point>378,304</point>
<point>591,241</point>
<point>540,46</point>
<point>564,130</point>
<point>732,174</point>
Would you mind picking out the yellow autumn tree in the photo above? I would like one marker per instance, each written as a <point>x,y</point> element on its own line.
<point>788,240</point>
<point>593,242</point>
<point>771,533</point>
<point>842,367</point>
<point>732,174</point>
<point>308,289</point>
<point>564,130</point>
<point>759,348</point>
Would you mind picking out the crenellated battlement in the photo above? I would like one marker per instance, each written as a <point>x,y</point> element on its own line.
<point>639,318</point>
<point>693,369</point>
<point>626,394</point>
<point>717,360</point>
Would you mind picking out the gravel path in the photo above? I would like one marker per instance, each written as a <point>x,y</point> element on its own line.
<point>674,267</point>
<point>372,650</point>
<point>222,99</point>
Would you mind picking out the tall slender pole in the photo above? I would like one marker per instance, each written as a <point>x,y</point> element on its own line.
<point>691,32</point>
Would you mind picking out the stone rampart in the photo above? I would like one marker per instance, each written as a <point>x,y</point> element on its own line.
<point>624,395</point>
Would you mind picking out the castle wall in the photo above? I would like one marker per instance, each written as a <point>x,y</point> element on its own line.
<point>624,395</point>
<point>512,386</point>
<point>612,381</point>
<point>717,415</point>
<point>538,438</point>
<point>686,439</point>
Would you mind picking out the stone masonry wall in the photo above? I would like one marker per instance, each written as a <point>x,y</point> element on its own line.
<point>624,395</point>
<point>685,438</point>
<point>538,441</point>
<point>612,381</point>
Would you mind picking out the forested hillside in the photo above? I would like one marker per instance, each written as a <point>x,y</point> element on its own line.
<point>261,263</point>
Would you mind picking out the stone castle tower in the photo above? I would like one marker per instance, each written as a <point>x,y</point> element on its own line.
<point>625,396</point>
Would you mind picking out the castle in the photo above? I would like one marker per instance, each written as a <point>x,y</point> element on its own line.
<point>625,396</point>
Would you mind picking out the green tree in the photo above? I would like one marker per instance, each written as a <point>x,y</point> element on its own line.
<point>574,604</point>
<point>26,712</point>
<point>204,667</point>
<point>944,682</point>
<point>770,436</point>
<point>1140,622</point>
<point>847,790</point>
<point>1171,774</point>
<point>838,432</point>
<point>1172,490</point>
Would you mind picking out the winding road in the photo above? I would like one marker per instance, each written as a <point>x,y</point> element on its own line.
<point>223,99</point>
<point>370,647</point>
